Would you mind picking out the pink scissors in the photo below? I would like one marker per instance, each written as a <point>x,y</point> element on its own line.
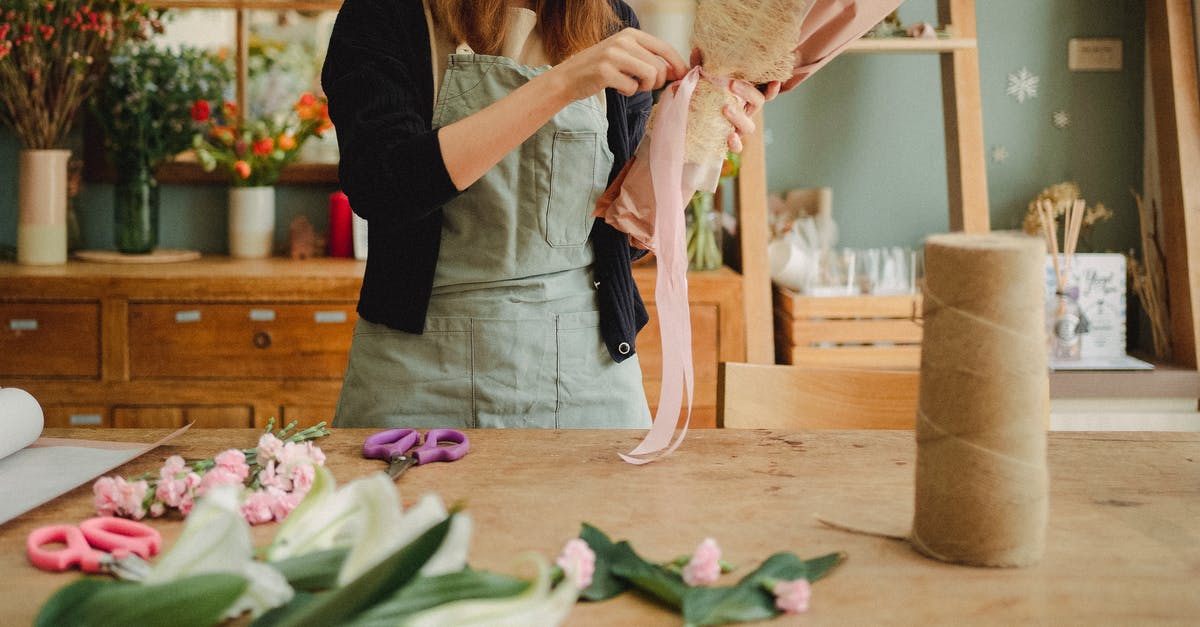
<point>396,447</point>
<point>104,544</point>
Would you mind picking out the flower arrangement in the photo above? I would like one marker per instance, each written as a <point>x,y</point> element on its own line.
<point>353,555</point>
<point>52,56</point>
<point>145,104</point>
<point>1062,197</point>
<point>703,222</point>
<point>255,152</point>
<point>275,477</point>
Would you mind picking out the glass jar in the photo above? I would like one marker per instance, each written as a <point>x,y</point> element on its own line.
<point>135,210</point>
<point>1066,325</point>
<point>704,232</point>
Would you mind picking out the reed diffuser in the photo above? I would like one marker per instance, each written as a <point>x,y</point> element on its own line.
<point>1065,318</point>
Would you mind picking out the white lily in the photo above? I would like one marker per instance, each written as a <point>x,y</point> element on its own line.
<point>216,539</point>
<point>327,518</point>
<point>538,606</point>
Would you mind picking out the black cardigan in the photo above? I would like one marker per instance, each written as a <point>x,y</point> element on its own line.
<point>379,82</point>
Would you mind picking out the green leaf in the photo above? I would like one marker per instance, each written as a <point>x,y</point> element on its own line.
<point>605,584</point>
<point>749,600</point>
<point>199,600</point>
<point>312,571</point>
<point>427,592</point>
<point>658,582</point>
<point>380,582</point>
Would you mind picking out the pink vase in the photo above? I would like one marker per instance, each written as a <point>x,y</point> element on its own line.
<point>42,207</point>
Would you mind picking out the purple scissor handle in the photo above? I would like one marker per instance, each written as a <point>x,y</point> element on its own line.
<point>96,545</point>
<point>396,447</point>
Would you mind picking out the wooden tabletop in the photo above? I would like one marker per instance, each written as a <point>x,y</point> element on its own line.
<point>1123,545</point>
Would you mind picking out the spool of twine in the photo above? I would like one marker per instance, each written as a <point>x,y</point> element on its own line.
<point>981,479</point>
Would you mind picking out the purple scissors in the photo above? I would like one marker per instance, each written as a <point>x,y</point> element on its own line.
<point>398,447</point>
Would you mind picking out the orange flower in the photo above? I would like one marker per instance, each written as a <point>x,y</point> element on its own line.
<point>243,169</point>
<point>307,107</point>
<point>230,110</point>
<point>263,147</point>
<point>286,142</point>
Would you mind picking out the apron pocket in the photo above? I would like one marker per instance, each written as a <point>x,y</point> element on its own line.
<point>594,391</point>
<point>514,370</point>
<point>573,194</point>
<point>402,379</point>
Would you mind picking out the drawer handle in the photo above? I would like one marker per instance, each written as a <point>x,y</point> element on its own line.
<point>189,315</point>
<point>78,420</point>
<point>23,324</point>
<point>262,339</point>
<point>329,317</point>
<point>262,315</point>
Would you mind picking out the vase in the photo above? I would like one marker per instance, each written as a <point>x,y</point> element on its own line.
<point>42,207</point>
<point>251,222</point>
<point>704,233</point>
<point>135,210</point>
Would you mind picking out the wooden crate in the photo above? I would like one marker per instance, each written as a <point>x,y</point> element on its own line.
<point>858,331</point>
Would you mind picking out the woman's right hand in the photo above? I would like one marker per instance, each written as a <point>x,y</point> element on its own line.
<point>628,61</point>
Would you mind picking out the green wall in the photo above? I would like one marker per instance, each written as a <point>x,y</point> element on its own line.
<point>869,126</point>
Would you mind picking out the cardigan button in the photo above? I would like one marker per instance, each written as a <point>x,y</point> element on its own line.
<point>623,348</point>
<point>596,284</point>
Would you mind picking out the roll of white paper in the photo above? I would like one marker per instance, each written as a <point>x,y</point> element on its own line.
<point>20,419</point>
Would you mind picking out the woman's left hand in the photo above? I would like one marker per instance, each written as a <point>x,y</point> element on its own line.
<point>742,118</point>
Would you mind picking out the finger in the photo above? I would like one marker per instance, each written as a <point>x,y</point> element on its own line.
<point>749,93</point>
<point>734,142</point>
<point>742,123</point>
<point>675,64</point>
<point>647,69</point>
<point>771,90</point>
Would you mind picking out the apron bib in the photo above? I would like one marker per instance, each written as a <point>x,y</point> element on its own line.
<point>512,337</point>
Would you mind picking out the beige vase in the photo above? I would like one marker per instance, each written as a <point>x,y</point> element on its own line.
<point>42,207</point>
<point>251,222</point>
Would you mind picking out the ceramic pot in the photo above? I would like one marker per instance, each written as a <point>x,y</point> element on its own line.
<point>42,206</point>
<point>251,222</point>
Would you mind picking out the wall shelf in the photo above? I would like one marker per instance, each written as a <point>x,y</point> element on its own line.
<point>893,45</point>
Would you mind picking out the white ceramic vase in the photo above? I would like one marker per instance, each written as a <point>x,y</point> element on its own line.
<point>42,206</point>
<point>251,222</point>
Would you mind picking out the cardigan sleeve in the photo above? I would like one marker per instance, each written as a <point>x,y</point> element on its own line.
<point>378,80</point>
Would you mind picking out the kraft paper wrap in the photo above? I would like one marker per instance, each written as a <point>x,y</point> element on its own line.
<point>981,479</point>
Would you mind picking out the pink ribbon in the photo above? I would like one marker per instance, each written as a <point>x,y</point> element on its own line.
<point>671,294</point>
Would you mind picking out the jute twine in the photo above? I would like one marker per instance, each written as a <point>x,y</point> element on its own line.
<point>981,479</point>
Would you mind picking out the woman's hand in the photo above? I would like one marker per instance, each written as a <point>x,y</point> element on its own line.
<point>742,117</point>
<point>628,61</point>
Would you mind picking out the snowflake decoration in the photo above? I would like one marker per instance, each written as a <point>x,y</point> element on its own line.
<point>1022,85</point>
<point>999,154</point>
<point>1061,119</point>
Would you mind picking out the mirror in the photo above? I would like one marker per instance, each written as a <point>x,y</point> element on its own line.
<point>275,49</point>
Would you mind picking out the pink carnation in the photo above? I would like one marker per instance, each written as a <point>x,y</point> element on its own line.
<point>233,461</point>
<point>256,508</point>
<point>578,561</point>
<point>269,447</point>
<point>705,566</point>
<point>284,503</point>
<point>219,475</point>
<point>114,496</point>
<point>792,596</point>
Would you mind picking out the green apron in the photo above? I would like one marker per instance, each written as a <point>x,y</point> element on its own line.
<point>512,337</point>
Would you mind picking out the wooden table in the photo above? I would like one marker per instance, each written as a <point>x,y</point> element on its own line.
<point>1123,543</point>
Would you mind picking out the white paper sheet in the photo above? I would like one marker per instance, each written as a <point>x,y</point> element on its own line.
<point>51,467</point>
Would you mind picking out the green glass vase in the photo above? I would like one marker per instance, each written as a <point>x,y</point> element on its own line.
<point>135,210</point>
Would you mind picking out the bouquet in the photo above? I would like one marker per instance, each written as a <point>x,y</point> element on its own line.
<point>755,41</point>
<point>145,105</point>
<point>274,476</point>
<point>255,152</point>
<point>52,57</point>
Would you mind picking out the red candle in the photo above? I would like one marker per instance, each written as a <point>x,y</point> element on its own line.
<point>341,243</point>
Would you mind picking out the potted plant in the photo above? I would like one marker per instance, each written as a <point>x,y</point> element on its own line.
<point>52,58</point>
<point>254,153</point>
<point>144,109</point>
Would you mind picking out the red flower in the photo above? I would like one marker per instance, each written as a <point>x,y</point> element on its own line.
<point>263,147</point>
<point>243,169</point>
<point>201,110</point>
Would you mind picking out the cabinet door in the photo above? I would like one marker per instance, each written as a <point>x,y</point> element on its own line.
<point>240,340</point>
<point>143,417</point>
<point>705,353</point>
<point>50,339</point>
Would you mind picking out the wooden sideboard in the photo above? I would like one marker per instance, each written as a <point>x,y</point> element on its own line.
<point>231,343</point>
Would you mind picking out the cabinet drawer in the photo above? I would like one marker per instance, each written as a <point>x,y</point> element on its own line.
<point>260,340</point>
<point>50,339</point>
<point>221,416</point>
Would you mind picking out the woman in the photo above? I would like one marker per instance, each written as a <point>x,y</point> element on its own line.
<point>476,137</point>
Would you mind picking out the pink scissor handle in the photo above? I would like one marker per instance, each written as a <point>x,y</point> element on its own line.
<point>114,534</point>
<point>77,550</point>
<point>390,443</point>
<point>433,451</point>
